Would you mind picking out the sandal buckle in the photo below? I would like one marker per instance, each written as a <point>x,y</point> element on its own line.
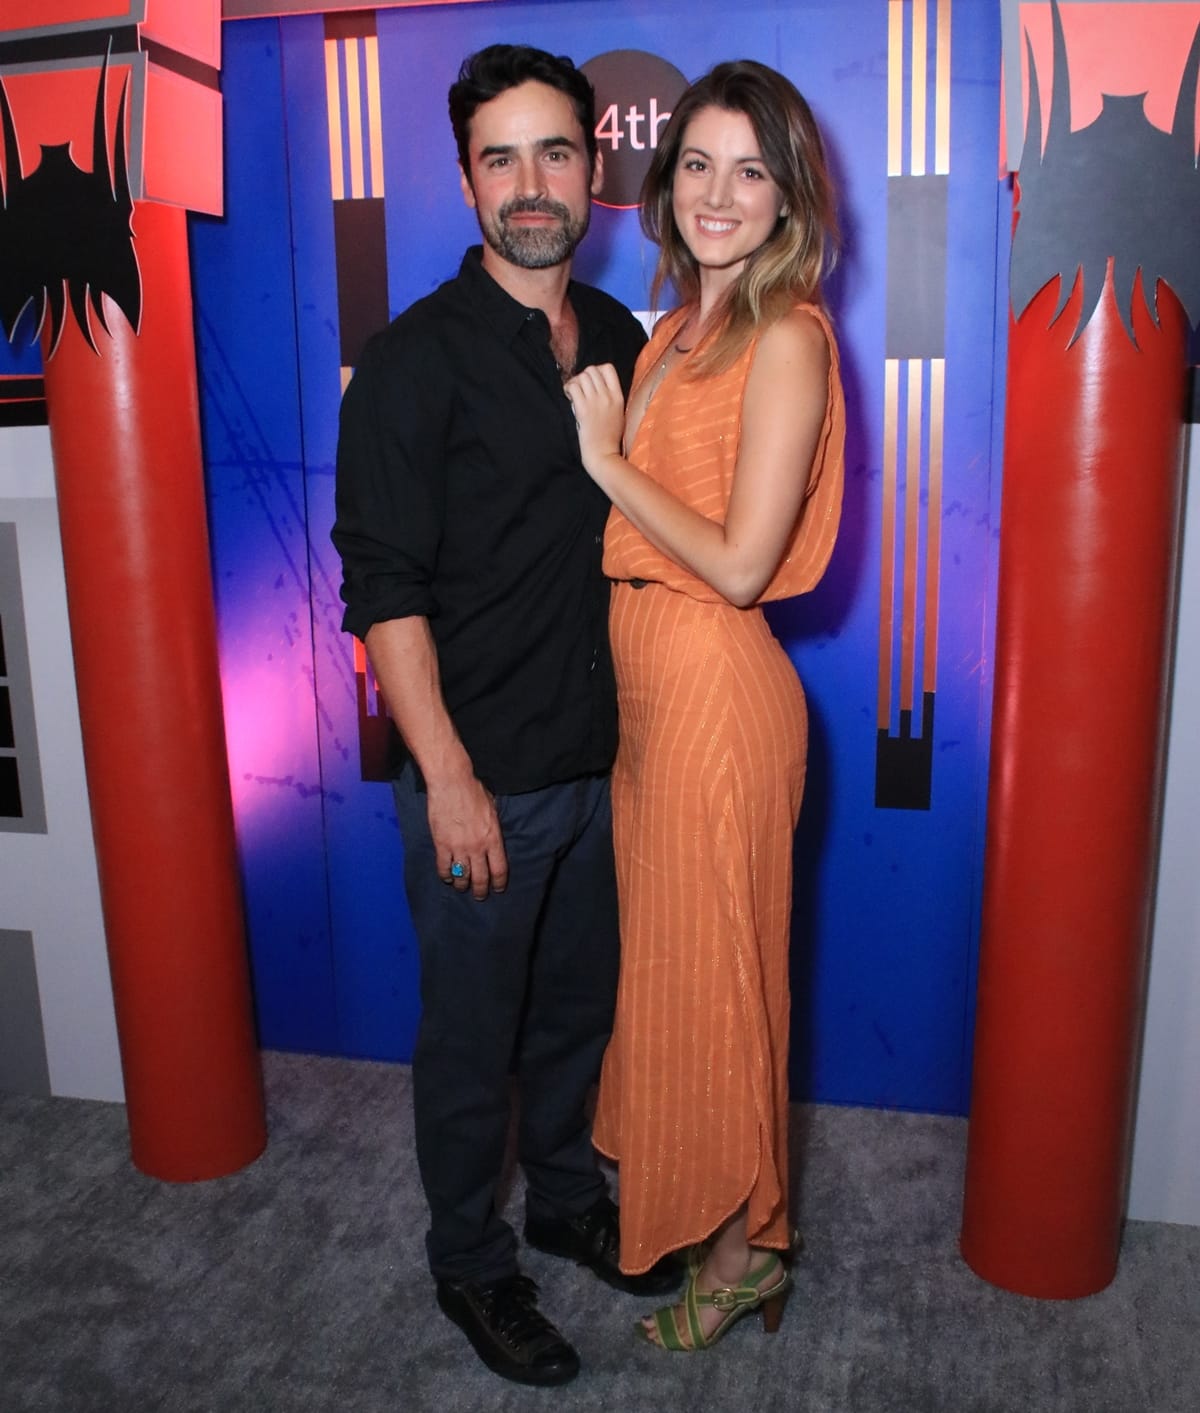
<point>724,1299</point>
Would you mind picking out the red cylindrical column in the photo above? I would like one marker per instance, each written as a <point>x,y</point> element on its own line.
<point>125,433</point>
<point>1089,531</point>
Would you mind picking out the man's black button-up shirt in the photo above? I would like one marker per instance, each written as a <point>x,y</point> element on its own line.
<point>461,498</point>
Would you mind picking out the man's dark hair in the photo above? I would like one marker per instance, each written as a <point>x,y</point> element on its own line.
<point>494,70</point>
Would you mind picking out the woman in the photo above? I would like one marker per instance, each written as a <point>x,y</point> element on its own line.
<point>728,495</point>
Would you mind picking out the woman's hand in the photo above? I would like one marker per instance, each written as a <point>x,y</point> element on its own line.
<point>599,405</point>
<point>783,411</point>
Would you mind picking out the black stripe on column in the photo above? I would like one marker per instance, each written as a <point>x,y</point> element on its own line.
<point>22,402</point>
<point>69,44</point>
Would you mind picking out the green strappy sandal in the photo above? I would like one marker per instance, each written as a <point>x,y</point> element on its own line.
<point>733,1301</point>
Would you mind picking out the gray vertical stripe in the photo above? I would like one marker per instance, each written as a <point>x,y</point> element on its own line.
<point>916,273</point>
<point>1011,47</point>
<point>24,1068</point>
<point>32,819</point>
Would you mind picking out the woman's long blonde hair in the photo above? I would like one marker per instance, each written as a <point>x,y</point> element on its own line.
<point>789,266</point>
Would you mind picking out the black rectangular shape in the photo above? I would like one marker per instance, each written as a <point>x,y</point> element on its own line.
<point>10,789</point>
<point>356,24</point>
<point>904,764</point>
<point>21,387</point>
<point>360,249</point>
<point>7,738</point>
<point>26,412</point>
<point>69,44</point>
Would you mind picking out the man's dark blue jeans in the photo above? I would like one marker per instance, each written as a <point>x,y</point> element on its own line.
<point>521,984</point>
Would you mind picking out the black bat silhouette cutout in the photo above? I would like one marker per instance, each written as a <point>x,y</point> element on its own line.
<point>1119,189</point>
<point>65,232</point>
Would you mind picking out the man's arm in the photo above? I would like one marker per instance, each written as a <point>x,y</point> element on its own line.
<point>393,429</point>
<point>462,814</point>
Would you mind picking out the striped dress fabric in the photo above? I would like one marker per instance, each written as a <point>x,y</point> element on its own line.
<point>706,792</point>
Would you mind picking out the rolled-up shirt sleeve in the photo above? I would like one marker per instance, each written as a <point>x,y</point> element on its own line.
<point>390,487</point>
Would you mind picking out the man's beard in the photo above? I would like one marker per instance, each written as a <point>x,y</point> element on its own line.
<point>535,248</point>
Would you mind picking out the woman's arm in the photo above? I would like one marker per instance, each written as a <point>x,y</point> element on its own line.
<point>782,415</point>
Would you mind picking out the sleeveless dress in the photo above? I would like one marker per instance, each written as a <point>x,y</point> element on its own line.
<point>693,1099</point>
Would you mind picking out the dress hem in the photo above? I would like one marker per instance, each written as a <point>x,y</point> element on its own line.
<point>742,1201</point>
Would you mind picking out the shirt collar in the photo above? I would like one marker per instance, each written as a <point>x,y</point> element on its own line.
<point>507,315</point>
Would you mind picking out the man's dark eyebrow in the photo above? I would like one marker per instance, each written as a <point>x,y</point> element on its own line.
<point>543,144</point>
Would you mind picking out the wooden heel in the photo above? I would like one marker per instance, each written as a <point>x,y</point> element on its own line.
<point>772,1312</point>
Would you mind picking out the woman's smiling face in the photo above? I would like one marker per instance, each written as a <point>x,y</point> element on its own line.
<point>725,202</point>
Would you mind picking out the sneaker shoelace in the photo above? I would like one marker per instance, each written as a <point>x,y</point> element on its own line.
<point>512,1309</point>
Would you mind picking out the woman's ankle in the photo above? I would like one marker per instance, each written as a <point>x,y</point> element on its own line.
<point>730,1267</point>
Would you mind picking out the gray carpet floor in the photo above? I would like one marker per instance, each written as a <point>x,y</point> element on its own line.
<point>298,1284</point>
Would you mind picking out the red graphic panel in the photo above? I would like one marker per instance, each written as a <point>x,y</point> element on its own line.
<point>173,130</point>
<point>1117,49</point>
<point>168,52</point>
<point>75,14</point>
<point>190,29</point>
<point>60,107</point>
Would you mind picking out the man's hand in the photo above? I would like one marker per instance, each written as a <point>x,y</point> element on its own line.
<point>466,831</point>
<point>462,814</point>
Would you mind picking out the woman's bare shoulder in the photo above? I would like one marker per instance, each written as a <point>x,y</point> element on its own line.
<point>797,343</point>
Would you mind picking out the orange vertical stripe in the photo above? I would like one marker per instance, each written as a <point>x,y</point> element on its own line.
<point>354,123</point>
<point>941,139</point>
<point>333,104</point>
<point>912,530</point>
<point>933,517</point>
<point>887,537</point>
<point>374,115</point>
<point>895,89</point>
<point>920,40</point>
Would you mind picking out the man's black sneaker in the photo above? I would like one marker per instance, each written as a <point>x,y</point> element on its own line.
<point>593,1239</point>
<point>509,1333</point>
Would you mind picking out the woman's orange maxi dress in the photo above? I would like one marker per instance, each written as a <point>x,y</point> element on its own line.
<point>706,793</point>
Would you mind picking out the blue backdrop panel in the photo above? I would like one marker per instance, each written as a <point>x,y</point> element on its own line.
<point>22,357</point>
<point>373,951</point>
<point>887,899</point>
<point>246,345</point>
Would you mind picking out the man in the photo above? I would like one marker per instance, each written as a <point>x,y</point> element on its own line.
<point>471,545</point>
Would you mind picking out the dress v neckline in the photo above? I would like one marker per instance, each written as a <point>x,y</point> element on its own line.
<point>674,324</point>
